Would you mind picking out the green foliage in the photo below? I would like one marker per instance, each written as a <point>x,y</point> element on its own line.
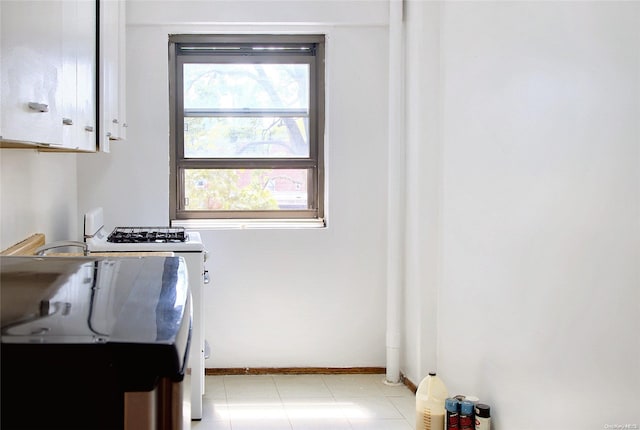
<point>208,189</point>
<point>228,87</point>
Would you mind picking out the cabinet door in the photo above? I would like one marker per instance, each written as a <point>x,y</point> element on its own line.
<point>78,75</point>
<point>110,69</point>
<point>69,73</point>
<point>122,73</point>
<point>31,70</point>
<point>85,130</point>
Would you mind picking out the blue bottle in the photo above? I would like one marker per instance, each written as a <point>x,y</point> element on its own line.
<point>467,421</point>
<point>452,421</point>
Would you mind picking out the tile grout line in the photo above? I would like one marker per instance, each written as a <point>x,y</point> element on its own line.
<point>226,401</point>
<point>275,384</point>
<point>335,400</point>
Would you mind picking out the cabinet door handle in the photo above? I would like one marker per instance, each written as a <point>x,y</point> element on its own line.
<point>39,107</point>
<point>67,121</point>
<point>88,128</point>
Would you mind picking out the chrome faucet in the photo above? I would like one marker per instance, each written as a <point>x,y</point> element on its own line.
<point>62,244</point>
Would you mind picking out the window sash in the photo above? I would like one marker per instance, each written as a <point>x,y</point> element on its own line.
<point>310,212</point>
<point>313,111</point>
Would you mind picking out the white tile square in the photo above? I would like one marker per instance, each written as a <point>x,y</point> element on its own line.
<point>314,408</point>
<point>244,387</point>
<point>296,386</point>
<point>255,410</point>
<point>406,406</point>
<point>346,386</point>
<point>372,408</point>
<point>214,387</point>
<point>214,410</point>
<point>261,425</point>
<point>380,425</point>
<point>334,424</point>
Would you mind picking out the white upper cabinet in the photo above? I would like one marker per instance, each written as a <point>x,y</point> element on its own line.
<point>48,73</point>
<point>31,71</point>
<point>55,91</point>
<point>112,87</point>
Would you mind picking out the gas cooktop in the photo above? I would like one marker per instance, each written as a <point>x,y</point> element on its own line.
<point>147,235</point>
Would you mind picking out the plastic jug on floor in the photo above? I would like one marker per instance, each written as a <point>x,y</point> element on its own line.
<point>430,398</point>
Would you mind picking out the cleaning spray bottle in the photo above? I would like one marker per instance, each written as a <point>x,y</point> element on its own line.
<point>430,398</point>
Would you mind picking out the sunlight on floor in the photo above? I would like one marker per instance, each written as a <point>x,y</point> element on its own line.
<point>302,410</point>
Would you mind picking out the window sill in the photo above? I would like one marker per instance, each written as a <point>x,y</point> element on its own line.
<point>248,224</point>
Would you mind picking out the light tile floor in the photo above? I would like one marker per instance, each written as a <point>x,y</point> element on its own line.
<point>305,402</point>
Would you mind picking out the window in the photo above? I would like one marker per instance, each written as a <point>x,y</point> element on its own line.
<point>247,124</point>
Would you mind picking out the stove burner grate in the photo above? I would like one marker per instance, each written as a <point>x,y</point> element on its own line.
<point>147,235</point>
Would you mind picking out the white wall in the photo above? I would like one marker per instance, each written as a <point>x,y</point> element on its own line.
<point>38,194</point>
<point>539,298</point>
<point>283,297</point>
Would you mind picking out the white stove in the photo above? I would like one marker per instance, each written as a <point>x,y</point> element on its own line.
<point>137,239</point>
<point>182,243</point>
